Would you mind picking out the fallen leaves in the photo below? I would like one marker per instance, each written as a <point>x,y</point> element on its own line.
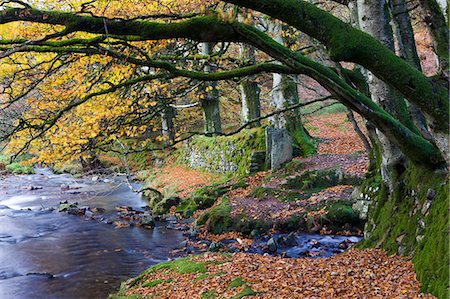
<point>182,180</point>
<point>336,132</point>
<point>353,274</point>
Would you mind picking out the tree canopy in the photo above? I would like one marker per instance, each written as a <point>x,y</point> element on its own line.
<point>65,61</point>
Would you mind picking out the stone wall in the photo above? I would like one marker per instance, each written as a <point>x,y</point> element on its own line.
<point>240,154</point>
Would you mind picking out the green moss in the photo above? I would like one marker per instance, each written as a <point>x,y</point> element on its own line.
<point>237,282</point>
<point>182,266</point>
<point>153,283</point>
<point>247,291</point>
<point>201,277</point>
<point>209,295</point>
<point>341,213</point>
<point>399,223</point>
<point>281,194</point>
<point>320,179</point>
<point>114,296</point>
<point>205,197</point>
<point>207,275</point>
<point>234,151</point>
<point>218,218</point>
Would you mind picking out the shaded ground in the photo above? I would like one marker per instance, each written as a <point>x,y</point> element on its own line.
<point>353,274</point>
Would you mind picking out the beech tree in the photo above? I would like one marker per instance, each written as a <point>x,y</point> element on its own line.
<point>409,209</point>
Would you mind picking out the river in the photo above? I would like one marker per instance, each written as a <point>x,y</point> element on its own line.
<point>87,258</point>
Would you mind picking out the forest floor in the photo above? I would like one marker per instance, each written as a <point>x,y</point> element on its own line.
<point>273,198</point>
<point>338,144</point>
<point>355,273</point>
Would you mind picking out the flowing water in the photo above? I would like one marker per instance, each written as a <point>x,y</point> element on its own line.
<point>52,255</point>
<point>46,254</point>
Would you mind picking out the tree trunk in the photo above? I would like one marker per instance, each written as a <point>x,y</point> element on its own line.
<point>407,47</point>
<point>407,199</point>
<point>167,125</point>
<point>285,93</point>
<point>210,102</point>
<point>251,106</point>
<point>435,20</point>
<point>374,19</point>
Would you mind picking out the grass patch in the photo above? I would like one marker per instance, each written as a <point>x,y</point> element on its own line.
<point>209,295</point>
<point>153,283</point>
<point>246,291</point>
<point>237,282</point>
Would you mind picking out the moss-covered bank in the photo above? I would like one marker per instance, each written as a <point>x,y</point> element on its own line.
<point>413,220</point>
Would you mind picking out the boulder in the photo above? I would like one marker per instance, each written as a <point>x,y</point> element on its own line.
<point>64,187</point>
<point>215,246</point>
<point>231,248</point>
<point>89,214</point>
<point>255,234</point>
<point>147,221</point>
<point>288,241</point>
<point>76,211</point>
<point>64,206</point>
<point>272,245</point>
<point>278,147</point>
<point>164,205</point>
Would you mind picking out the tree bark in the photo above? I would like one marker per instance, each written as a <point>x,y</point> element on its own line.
<point>168,125</point>
<point>285,93</point>
<point>407,47</point>
<point>251,106</point>
<point>210,102</point>
<point>435,20</point>
<point>374,19</point>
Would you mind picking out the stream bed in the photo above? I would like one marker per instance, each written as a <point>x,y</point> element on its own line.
<point>52,255</point>
<point>46,254</point>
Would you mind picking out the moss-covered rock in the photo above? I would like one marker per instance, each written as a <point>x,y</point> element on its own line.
<point>321,178</point>
<point>218,218</point>
<point>342,213</point>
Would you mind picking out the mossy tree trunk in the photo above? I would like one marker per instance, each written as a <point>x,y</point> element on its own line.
<point>168,124</point>
<point>407,47</point>
<point>250,91</point>
<point>374,19</point>
<point>210,100</point>
<point>408,199</point>
<point>411,218</point>
<point>284,94</point>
